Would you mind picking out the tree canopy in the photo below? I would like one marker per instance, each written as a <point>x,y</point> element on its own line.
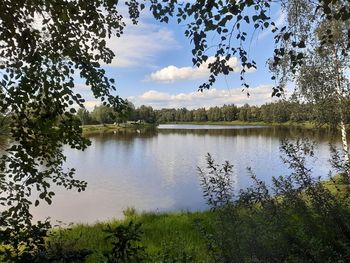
<point>228,20</point>
<point>44,47</point>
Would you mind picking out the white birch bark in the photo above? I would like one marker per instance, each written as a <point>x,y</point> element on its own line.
<point>341,112</point>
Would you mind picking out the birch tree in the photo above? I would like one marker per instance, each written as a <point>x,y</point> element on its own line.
<point>323,77</point>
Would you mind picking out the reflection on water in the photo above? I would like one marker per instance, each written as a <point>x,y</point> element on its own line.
<point>156,170</point>
<point>322,135</point>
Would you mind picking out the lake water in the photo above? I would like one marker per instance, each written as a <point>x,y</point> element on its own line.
<point>156,170</point>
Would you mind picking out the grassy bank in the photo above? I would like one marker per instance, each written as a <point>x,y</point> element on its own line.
<point>178,235</point>
<point>307,125</point>
<point>100,128</point>
<point>165,234</point>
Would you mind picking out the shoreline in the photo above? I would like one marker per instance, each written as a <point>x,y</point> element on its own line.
<point>101,128</point>
<point>306,125</point>
<point>177,230</point>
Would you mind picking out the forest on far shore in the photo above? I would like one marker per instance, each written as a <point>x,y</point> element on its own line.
<point>278,112</point>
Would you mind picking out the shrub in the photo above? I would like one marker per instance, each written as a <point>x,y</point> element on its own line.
<point>297,219</point>
<point>125,240</point>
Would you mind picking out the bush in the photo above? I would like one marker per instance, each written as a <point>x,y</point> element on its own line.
<point>297,219</point>
<point>125,240</point>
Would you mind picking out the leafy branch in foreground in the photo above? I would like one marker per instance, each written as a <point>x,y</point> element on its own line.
<point>44,46</point>
<point>226,28</point>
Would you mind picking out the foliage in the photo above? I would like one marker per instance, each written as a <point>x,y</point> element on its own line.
<point>282,111</point>
<point>174,251</point>
<point>217,183</point>
<point>107,115</point>
<point>44,45</point>
<point>58,249</point>
<point>23,242</point>
<point>322,78</point>
<point>125,241</point>
<point>44,245</point>
<point>84,116</point>
<point>104,114</point>
<point>165,235</point>
<point>145,113</point>
<point>325,43</point>
<point>227,21</point>
<point>297,219</point>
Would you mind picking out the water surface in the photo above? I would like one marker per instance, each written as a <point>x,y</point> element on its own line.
<point>156,170</point>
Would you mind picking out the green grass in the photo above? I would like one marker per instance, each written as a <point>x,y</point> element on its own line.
<point>101,128</point>
<point>174,232</point>
<point>337,185</point>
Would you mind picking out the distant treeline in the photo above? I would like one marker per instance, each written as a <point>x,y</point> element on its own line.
<point>280,112</point>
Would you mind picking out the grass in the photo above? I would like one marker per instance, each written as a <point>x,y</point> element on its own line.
<point>101,128</point>
<point>337,185</point>
<point>174,232</point>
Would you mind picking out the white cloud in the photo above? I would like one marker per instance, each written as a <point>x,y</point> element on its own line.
<point>140,44</point>
<point>90,104</point>
<point>172,73</point>
<point>213,97</point>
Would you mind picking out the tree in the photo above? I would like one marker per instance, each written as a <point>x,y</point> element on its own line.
<point>128,113</point>
<point>189,116</point>
<point>322,79</point>
<point>229,112</point>
<point>200,115</point>
<point>104,114</point>
<point>244,113</point>
<point>43,45</point>
<point>146,114</point>
<point>181,114</point>
<point>300,112</point>
<point>266,113</point>
<point>84,116</point>
<point>214,114</point>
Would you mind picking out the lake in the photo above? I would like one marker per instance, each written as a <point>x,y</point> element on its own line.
<point>156,170</point>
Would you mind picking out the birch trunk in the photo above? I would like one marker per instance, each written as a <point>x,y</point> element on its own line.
<point>341,112</point>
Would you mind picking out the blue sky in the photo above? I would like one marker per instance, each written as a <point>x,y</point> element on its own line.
<point>153,66</point>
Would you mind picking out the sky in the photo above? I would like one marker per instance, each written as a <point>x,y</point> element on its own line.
<point>153,67</point>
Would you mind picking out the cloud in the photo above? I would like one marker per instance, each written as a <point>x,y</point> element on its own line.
<point>140,44</point>
<point>213,97</point>
<point>90,104</point>
<point>172,73</point>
